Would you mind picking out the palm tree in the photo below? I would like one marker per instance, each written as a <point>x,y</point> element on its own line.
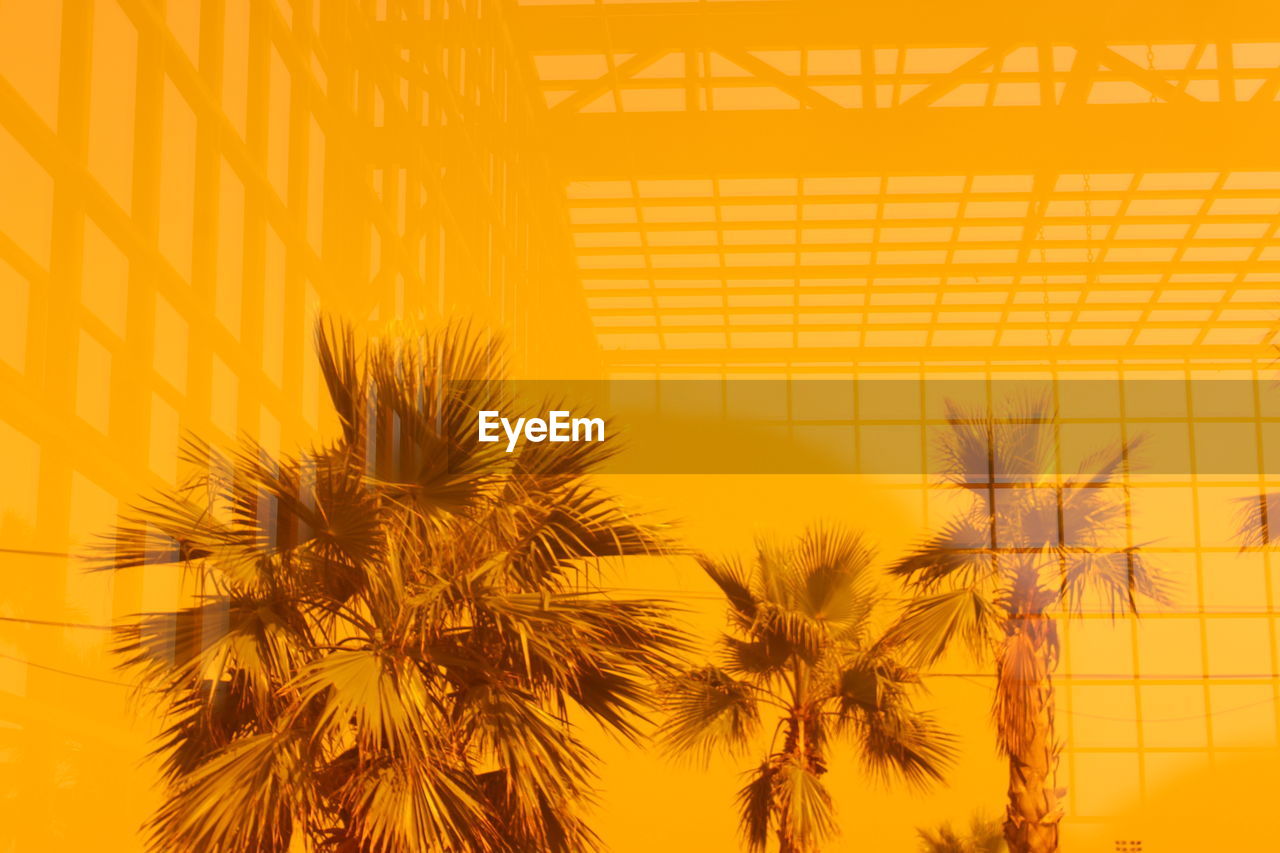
<point>390,635</point>
<point>984,836</point>
<point>802,648</point>
<point>1029,546</point>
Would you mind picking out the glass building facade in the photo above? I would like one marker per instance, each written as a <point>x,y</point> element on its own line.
<point>747,189</point>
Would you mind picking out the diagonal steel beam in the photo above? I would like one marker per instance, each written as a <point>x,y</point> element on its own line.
<point>950,80</point>
<point>791,85</point>
<point>1144,77</point>
<point>595,88</point>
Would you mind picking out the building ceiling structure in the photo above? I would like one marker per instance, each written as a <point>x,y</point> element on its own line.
<point>806,183</point>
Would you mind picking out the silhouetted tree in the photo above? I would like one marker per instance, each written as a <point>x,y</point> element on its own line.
<point>392,630</point>
<point>1029,547</point>
<point>802,655</point>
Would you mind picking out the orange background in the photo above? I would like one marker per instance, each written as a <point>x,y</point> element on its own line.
<point>769,189</point>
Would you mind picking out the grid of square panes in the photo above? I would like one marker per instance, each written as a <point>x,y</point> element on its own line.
<point>186,185</point>
<point>1187,684</point>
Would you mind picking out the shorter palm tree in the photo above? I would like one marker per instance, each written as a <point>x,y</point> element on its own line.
<point>802,647</point>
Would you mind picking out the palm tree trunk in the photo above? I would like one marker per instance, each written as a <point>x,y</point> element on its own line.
<point>1031,821</point>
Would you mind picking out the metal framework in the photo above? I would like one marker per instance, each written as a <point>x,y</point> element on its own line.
<point>905,191</point>
<point>183,186</point>
<point>922,185</point>
<point>770,188</point>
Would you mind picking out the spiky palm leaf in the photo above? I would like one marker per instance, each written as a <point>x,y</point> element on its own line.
<point>802,652</point>
<point>1257,519</point>
<point>390,631</point>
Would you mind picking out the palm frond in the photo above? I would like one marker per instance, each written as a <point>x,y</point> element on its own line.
<point>756,805</point>
<point>1094,514</point>
<point>873,699</point>
<point>340,365</point>
<point>755,658</point>
<point>249,795</point>
<point>965,447</point>
<point>832,579</point>
<point>898,740</point>
<point>942,839</point>
<point>600,653</point>
<point>805,804</point>
<point>206,719</point>
<point>1108,463</point>
<point>396,805</point>
<point>961,553</point>
<point>253,644</point>
<point>1023,438</point>
<point>774,577</point>
<point>560,828</point>
<point>172,527</point>
<point>1256,519</point>
<point>985,835</point>
<point>1014,443</point>
<point>556,463</point>
<point>865,687</point>
<point>707,709</point>
<point>1117,577</point>
<point>383,698</point>
<point>541,759</point>
<point>735,583</point>
<point>801,634</point>
<point>929,625</point>
<point>420,444</point>
<point>544,534</point>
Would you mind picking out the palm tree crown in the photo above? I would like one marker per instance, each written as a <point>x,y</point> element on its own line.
<point>802,648</point>
<point>389,633</point>
<point>1028,545</point>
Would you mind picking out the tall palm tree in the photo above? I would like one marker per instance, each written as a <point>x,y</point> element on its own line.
<point>391,634</point>
<point>1029,547</point>
<point>802,649</point>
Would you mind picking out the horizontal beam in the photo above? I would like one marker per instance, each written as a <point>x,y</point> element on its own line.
<point>988,329</point>
<point>912,369</point>
<point>1093,138</point>
<point>953,291</point>
<point>1095,220</point>
<point>888,271</point>
<point>835,23</point>
<point>1101,243</point>
<point>1044,311</point>
<point>945,356</point>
